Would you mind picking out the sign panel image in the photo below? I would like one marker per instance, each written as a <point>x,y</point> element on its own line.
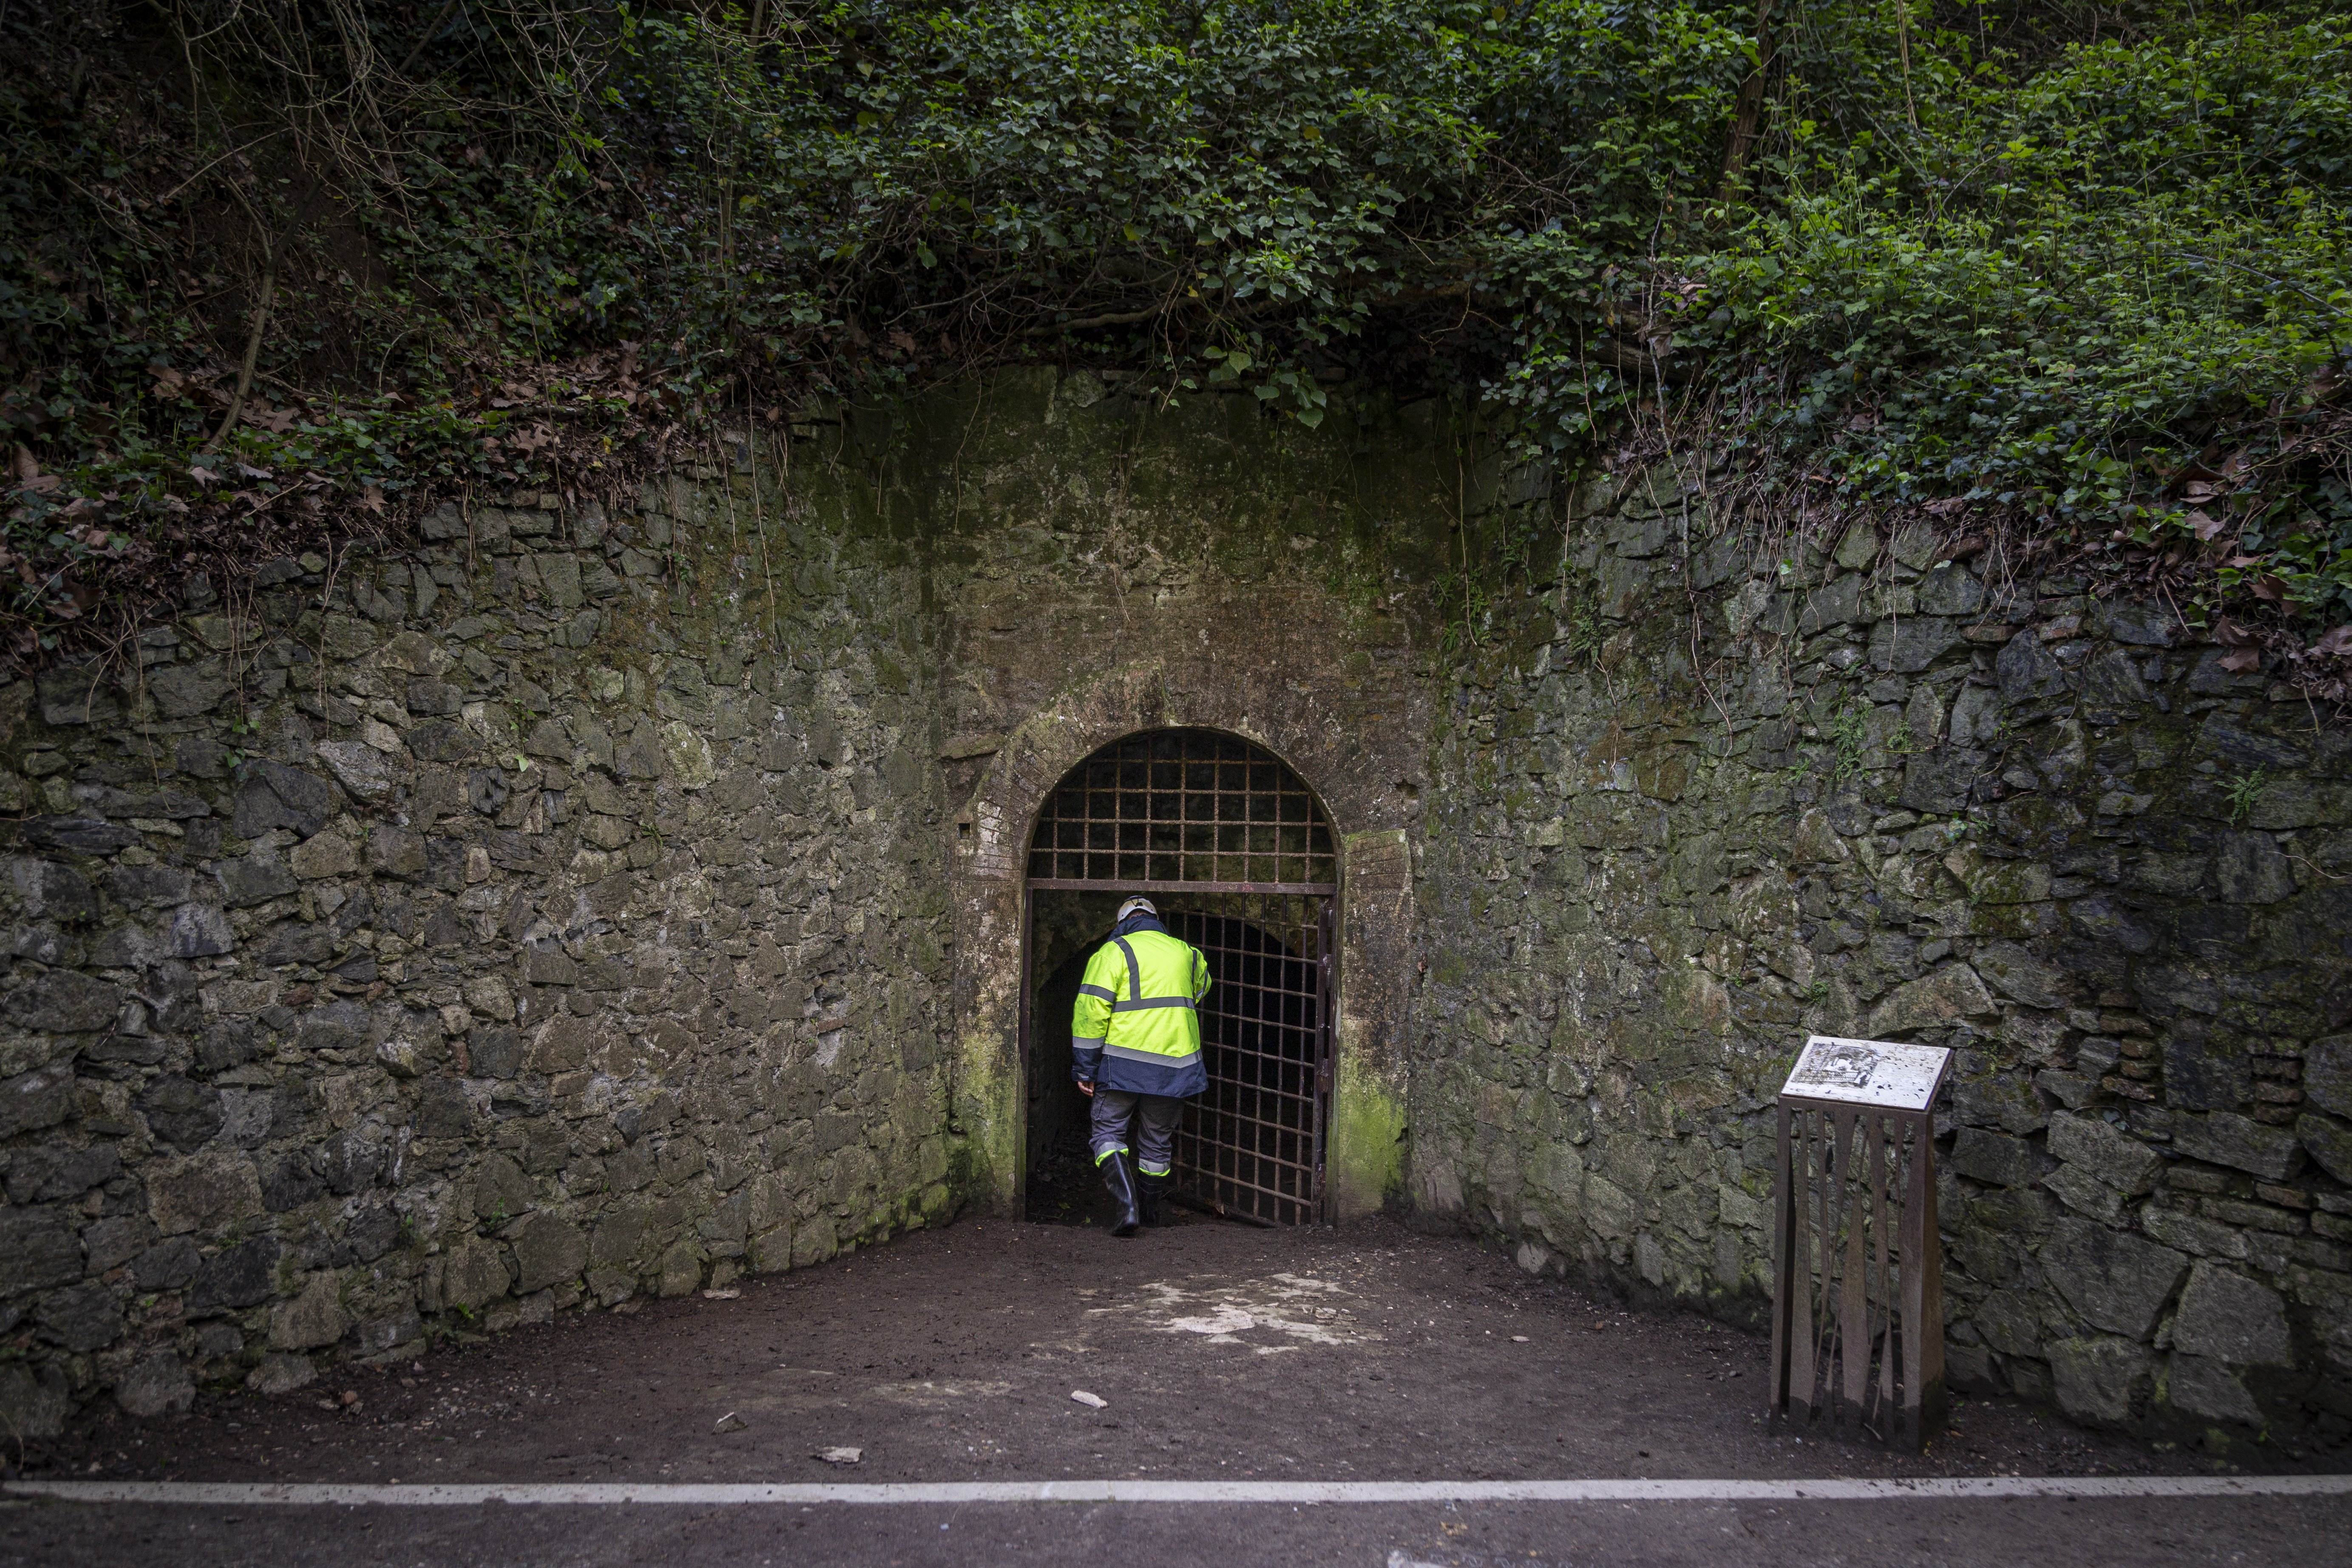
<point>1868,1072</point>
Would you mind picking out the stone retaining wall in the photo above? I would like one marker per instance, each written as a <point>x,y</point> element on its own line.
<point>582,907</point>
<point>1713,798</point>
<point>553,914</point>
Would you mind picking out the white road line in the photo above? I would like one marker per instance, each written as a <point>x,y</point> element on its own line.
<point>247,1494</point>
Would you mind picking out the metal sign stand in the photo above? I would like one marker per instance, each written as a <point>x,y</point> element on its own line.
<point>1857,1297</point>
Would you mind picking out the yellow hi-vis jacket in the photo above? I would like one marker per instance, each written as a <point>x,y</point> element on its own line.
<point>1135,1027</point>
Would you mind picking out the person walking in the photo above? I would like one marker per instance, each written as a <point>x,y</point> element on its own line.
<point>1135,1047</point>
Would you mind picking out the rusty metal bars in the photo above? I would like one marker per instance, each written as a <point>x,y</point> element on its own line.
<point>1187,808</point>
<point>1857,1304</point>
<point>1252,1147</point>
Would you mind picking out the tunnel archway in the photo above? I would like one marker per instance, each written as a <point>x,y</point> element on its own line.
<point>1240,857</point>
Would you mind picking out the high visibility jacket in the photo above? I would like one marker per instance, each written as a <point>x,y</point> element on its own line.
<point>1135,1027</point>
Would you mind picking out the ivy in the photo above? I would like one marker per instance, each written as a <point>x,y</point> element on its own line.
<point>2086,281</point>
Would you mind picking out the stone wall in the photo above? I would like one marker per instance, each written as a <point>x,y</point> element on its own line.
<point>581,907</point>
<point>550,916</point>
<point>1703,798</point>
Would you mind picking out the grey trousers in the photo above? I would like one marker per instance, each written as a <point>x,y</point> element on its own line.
<point>1155,1141</point>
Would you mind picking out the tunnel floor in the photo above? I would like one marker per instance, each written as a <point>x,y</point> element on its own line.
<point>1218,1350</point>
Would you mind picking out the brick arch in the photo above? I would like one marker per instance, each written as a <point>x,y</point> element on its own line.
<point>992,837</point>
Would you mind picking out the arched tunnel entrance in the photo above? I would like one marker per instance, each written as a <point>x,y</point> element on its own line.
<point>1239,856</point>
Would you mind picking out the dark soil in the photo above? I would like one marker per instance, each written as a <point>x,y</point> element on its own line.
<point>1220,1351</point>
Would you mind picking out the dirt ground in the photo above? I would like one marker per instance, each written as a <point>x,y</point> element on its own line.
<point>1365,1352</point>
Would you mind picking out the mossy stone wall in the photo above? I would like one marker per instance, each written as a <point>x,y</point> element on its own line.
<point>591,904</point>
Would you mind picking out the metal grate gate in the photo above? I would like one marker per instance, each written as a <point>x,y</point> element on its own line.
<point>1182,809</point>
<point>1252,1147</point>
<point>1196,811</point>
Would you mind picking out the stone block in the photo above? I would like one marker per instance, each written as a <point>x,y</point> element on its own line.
<point>397,852</point>
<point>360,768</point>
<point>2225,1138</point>
<point>74,694</point>
<point>549,1250</point>
<point>32,1100</point>
<point>444,1110</point>
<point>281,1373</point>
<point>814,1242</point>
<point>81,834</point>
<point>323,854</point>
<point>199,930</point>
<point>255,879</point>
<point>81,1319</point>
<point>110,1243</point>
<point>474,1273</point>
<point>2297,803</point>
<point>204,1192</point>
<point>180,1110</point>
<point>2327,1074</point>
<point>2117,1280</point>
<point>62,1002</point>
<point>313,1319</point>
<point>33,1401</point>
<point>2097,1380</point>
<point>2329,1142</point>
<point>559,576</point>
<point>681,1269</point>
<point>2015,973</point>
<point>1907,646</point>
<point>184,690</point>
<point>270,794</point>
<point>242,1275</point>
<point>2116,1159</point>
<point>1949,590</point>
<point>2251,869</point>
<point>1839,604</point>
<point>2229,1318</point>
<point>2193,1233</point>
<point>491,997</point>
<point>45,888</point>
<point>1992,1157</point>
<point>1949,996</point>
<point>37,1249</point>
<point>168,1265</point>
<point>158,1385</point>
<point>2204,1387</point>
<point>771,1251</point>
<point>2004,1099</point>
<point>2085,1195</point>
<point>546,964</point>
<point>2141,624</point>
<point>2028,672</point>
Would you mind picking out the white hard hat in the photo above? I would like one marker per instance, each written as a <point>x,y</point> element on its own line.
<point>1137,907</point>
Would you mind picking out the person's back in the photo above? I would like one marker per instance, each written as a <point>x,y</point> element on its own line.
<point>1135,1046</point>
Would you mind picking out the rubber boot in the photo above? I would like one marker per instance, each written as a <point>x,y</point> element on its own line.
<point>1121,1182</point>
<point>1147,1188</point>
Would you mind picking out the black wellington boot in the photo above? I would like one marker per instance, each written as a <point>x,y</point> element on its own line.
<point>1147,1188</point>
<point>1121,1182</point>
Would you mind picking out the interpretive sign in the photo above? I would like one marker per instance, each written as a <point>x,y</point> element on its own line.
<point>1858,1296</point>
<point>1868,1072</point>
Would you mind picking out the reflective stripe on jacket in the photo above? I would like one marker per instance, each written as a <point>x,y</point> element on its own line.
<point>1135,1027</point>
